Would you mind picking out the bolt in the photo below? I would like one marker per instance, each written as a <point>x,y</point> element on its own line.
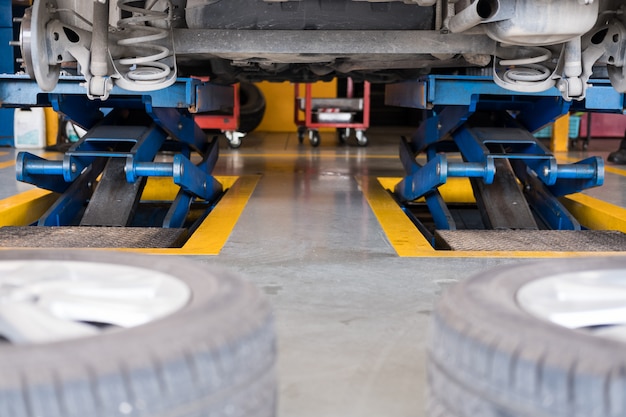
<point>17,20</point>
<point>73,167</point>
<point>15,43</point>
<point>546,171</point>
<point>180,126</point>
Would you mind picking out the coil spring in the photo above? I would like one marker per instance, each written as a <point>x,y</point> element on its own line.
<point>526,74</point>
<point>149,68</point>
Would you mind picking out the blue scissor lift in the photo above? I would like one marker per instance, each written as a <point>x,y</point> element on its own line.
<point>478,130</point>
<point>101,177</point>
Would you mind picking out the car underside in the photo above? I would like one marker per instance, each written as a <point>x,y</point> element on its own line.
<point>526,45</point>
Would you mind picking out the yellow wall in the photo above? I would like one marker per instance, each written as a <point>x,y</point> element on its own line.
<point>280,101</point>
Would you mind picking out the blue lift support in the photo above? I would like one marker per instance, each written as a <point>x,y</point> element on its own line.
<point>491,129</point>
<point>125,133</point>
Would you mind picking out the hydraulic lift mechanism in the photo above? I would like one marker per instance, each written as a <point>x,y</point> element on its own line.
<point>477,130</point>
<point>121,147</point>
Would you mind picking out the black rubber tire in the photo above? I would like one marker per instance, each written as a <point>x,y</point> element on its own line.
<point>489,358</point>
<point>252,107</point>
<point>214,357</point>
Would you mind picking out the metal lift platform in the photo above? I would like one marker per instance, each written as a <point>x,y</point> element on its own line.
<point>100,178</point>
<point>477,130</point>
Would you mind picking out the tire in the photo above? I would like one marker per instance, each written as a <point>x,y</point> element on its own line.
<point>489,357</point>
<point>212,357</point>
<point>252,107</point>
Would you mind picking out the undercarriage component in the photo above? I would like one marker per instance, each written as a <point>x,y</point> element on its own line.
<point>137,55</point>
<point>536,44</point>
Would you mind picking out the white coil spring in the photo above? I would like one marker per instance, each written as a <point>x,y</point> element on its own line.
<point>149,69</point>
<point>527,74</point>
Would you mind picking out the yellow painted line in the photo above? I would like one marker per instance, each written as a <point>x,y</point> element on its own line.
<point>407,241</point>
<point>596,214</point>
<point>213,233</point>
<point>209,239</point>
<point>25,208</point>
<point>614,170</point>
<point>7,164</point>
<point>400,231</point>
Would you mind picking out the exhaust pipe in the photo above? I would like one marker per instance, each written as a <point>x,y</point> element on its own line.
<point>476,13</point>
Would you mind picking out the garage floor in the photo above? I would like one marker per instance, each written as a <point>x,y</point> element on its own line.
<point>352,316</point>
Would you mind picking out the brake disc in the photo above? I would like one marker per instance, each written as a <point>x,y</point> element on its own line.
<point>34,44</point>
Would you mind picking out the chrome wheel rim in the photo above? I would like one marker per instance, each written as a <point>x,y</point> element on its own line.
<point>594,301</point>
<point>44,301</point>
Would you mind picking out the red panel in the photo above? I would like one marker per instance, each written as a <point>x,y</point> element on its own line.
<point>604,125</point>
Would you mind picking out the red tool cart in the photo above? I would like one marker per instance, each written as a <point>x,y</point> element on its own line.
<point>343,114</point>
<point>227,123</point>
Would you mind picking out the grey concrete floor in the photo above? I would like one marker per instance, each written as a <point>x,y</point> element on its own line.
<point>352,317</point>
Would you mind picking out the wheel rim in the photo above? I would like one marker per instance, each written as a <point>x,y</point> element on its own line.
<point>591,300</point>
<point>44,301</point>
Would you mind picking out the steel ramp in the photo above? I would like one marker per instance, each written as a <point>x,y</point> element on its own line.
<point>91,237</point>
<point>531,240</point>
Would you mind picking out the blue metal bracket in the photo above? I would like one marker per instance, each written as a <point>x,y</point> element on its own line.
<point>190,94</point>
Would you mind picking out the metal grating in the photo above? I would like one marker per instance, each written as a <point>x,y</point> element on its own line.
<point>90,237</point>
<point>531,240</point>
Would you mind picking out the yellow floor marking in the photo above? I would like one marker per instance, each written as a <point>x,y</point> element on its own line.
<point>209,238</point>
<point>7,164</point>
<point>213,233</point>
<point>596,214</point>
<point>401,232</point>
<point>407,241</point>
<point>25,208</point>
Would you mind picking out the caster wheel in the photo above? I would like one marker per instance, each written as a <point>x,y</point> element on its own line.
<point>314,138</point>
<point>301,132</point>
<point>343,135</point>
<point>234,139</point>
<point>361,139</point>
